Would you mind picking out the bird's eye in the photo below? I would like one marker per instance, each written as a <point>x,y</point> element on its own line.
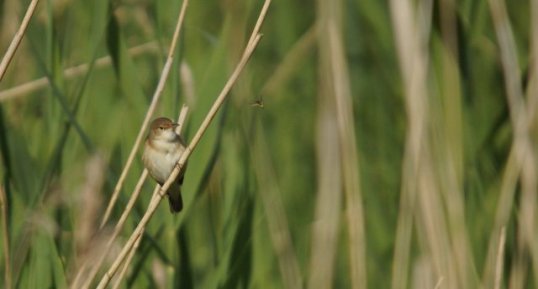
<point>161,128</point>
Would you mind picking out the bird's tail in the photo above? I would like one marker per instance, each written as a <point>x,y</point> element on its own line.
<point>174,198</point>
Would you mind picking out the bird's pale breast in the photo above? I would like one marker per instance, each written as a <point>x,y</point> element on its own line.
<point>160,159</point>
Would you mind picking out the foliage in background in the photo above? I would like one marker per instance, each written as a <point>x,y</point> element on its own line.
<point>258,192</point>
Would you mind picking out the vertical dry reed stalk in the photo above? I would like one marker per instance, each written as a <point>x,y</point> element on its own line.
<point>433,230</point>
<point>531,174</point>
<point>89,203</point>
<point>17,39</point>
<point>410,56</point>
<point>329,195</point>
<point>513,166</point>
<point>350,159</point>
<point>422,277</point>
<point>187,82</point>
<point>149,114</point>
<point>450,151</point>
<point>337,115</point>
<point>5,238</point>
<point>331,175</point>
<point>420,172</point>
<point>502,216</point>
<point>523,149</point>
<point>532,90</point>
<point>500,259</point>
<point>439,283</point>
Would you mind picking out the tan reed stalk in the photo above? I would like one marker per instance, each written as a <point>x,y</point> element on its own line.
<point>17,39</point>
<point>512,167</point>
<point>401,263</point>
<point>432,224</point>
<point>420,183</point>
<point>449,142</point>
<point>110,242</point>
<point>121,275</point>
<point>5,239</point>
<point>326,228</point>
<point>500,259</point>
<point>349,156</point>
<point>149,114</point>
<point>89,203</point>
<point>253,42</point>
<point>71,72</point>
<point>533,87</point>
<point>439,283</point>
<point>532,111</point>
<point>182,117</point>
<point>524,153</point>
<point>434,232</point>
<point>410,56</point>
<point>187,82</point>
<point>502,215</point>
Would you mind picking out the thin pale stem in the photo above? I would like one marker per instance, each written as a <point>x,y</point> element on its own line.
<point>500,259</point>
<point>17,39</point>
<point>412,62</point>
<point>121,275</point>
<point>521,142</point>
<point>117,228</point>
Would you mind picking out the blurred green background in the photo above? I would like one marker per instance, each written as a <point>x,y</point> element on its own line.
<point>257,165</point>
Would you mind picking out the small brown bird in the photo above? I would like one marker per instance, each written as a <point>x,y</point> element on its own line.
<point>162,151</point>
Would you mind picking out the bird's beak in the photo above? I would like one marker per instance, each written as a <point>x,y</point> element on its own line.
<point>175,124</point>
